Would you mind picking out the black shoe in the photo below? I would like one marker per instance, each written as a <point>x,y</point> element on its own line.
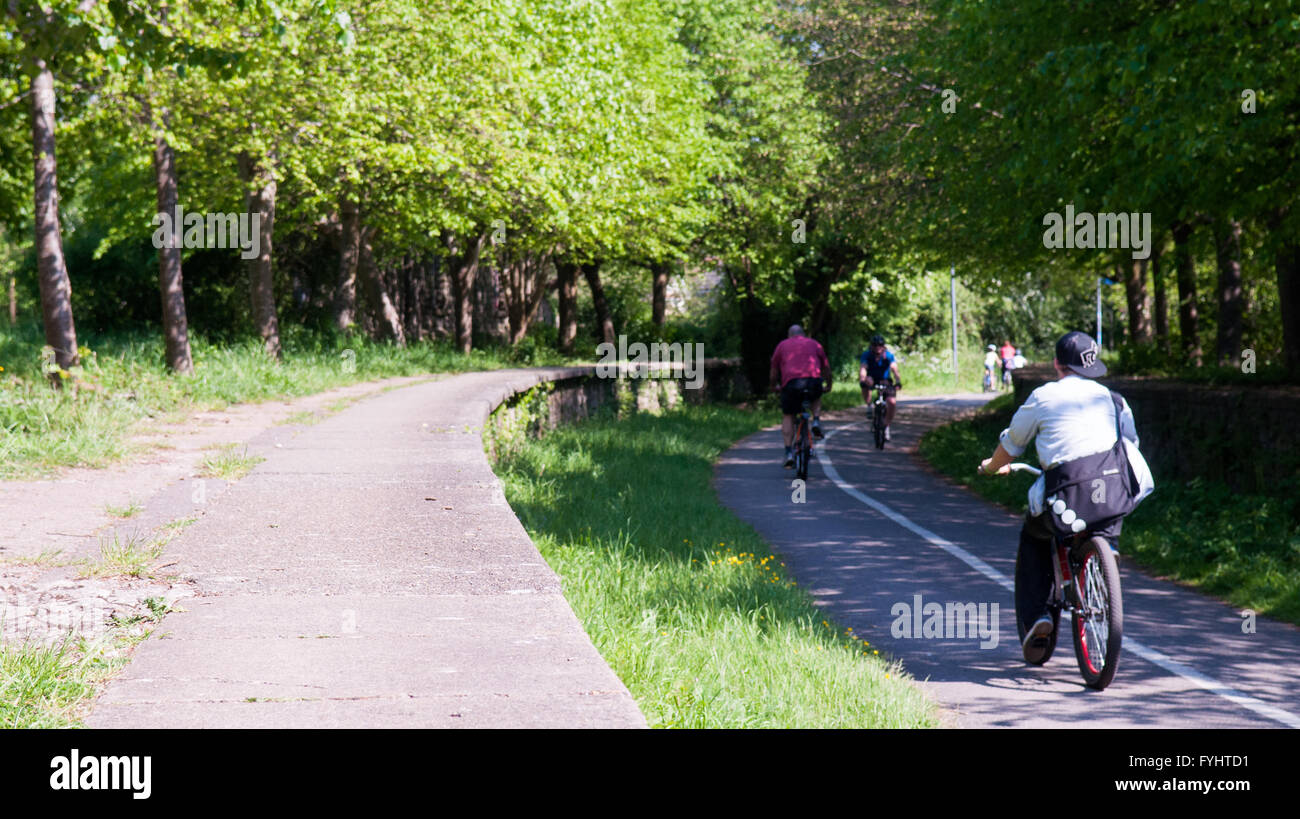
<point>817,429</point>
<point>1038,640</point>
<point>789,457</point>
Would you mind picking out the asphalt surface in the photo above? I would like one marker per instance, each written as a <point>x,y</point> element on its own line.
<point>369,573</point>
<point>879,529</point>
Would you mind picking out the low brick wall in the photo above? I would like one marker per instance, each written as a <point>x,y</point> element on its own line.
<point>646,390</point>
<point>1246,437</point>
<point>571,394</point>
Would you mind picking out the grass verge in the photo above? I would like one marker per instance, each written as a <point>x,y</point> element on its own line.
<point>51,686</point>
<point>1243,548</point>
<point>122,380</point>
<point>684,601</point>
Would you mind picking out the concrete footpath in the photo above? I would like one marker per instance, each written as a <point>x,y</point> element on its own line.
<point>369,573</point>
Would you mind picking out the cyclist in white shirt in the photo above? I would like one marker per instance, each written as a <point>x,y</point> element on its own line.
<point>1069,418</point>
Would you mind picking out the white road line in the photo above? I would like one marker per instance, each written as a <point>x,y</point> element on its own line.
<point>1149,654</point>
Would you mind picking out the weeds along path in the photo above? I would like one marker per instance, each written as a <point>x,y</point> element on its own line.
<point>368,572</point>
<point>882,536</point>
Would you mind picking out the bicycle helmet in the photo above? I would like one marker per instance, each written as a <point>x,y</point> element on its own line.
<point>877,339</point>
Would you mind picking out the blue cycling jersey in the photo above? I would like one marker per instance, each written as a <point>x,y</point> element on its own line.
<point>877,368</point>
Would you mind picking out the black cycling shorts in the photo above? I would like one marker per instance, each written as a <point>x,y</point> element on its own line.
<point>891,389</point>
<point>798,390</point>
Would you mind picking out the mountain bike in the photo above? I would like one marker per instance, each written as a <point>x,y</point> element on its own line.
<point>803,440</point>
<point>1086,583</point>
<point>988,380</point>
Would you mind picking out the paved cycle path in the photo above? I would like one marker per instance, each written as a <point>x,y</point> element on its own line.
<point>369,573</point>
<point>880,528</point>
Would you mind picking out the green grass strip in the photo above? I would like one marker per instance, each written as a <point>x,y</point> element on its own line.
<point>686,602</point>
<point>1243,548</point>
<point>122,381</point>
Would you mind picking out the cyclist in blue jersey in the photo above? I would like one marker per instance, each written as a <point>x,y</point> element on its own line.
<point>877,364</point>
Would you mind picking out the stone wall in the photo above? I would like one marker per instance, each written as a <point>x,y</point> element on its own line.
<point>1247,437</point>
<point>574,393</point>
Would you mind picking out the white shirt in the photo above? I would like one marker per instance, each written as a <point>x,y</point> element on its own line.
<point>1071,418</point>
<point>991,359</point>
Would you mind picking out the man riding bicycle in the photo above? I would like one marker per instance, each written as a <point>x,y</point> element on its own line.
<point>799,365</point>
<point>1072,417</point>
<point>877,365</point>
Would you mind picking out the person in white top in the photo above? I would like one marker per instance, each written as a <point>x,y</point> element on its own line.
<point>990,367</point>
<point>1069,418</point>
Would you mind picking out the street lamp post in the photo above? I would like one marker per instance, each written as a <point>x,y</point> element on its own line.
<point>952,288</point>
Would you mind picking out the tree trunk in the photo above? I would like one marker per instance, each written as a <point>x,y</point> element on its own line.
<point>566,274</point>
<point>463,264</point>
<point>345,294</point>
<point>261,187</point>
<point>176,336</point>
<point>1162,297</point>
<point>659,299</point>
<point>56,290</point>
<point>443,300</point>
<point>524,280</point>
<point>387,320</point>
<point>1135,291</point>
<point>1188,324</point>
<point>1227,252</point>
<point>604,322</point>
<point>1288,288</point>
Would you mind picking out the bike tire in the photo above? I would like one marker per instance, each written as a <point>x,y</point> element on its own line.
<point>1097,641</point>
<point>878,426</point>
<point>1055,611</point>
<point>802,451</point>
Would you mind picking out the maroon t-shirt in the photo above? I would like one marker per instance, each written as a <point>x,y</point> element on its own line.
<point>799,357</point>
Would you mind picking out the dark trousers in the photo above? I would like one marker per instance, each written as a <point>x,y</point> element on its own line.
<point>1034,575</point>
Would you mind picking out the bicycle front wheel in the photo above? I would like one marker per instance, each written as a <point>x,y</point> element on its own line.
<point>878,426</point>
<point>1099,619</point>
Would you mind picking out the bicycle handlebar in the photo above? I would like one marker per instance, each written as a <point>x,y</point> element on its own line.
<point>1032,470</point>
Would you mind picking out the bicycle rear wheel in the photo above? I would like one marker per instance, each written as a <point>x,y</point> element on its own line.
<point>802,450</point>
<point>1099,621</point>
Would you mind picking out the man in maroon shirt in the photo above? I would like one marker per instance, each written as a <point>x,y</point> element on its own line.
<point>799,365</point>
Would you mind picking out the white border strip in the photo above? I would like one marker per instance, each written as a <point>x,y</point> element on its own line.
<point>1149,654</point>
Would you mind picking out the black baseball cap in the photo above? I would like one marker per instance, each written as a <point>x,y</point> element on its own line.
<point>1078,352</point>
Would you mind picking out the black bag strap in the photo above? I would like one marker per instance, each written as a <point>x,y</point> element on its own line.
<point>1119,411</point>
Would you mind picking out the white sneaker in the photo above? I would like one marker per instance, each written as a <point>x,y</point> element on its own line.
<point>887,438</point>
